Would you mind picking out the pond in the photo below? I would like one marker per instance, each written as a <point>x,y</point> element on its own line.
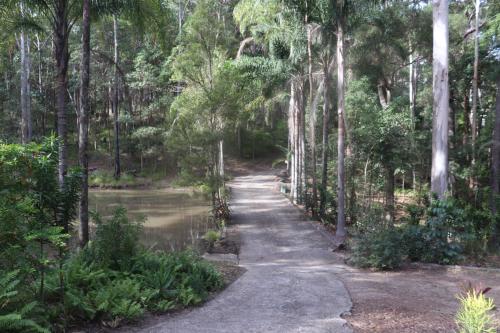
<point>176,218</point>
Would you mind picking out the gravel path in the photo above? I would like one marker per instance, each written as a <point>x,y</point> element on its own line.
<point>290,284</point>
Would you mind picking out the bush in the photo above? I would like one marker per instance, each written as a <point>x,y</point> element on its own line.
<point>439,240</point>
<point>115,280</point>
<point>442,233</point>
<point>35,215</point>
<point>474,313</point>
<point>381,249</point>
<point>44,288</point>
<point>116,240</point>
<point>179,277</point>
<point>211,236</point>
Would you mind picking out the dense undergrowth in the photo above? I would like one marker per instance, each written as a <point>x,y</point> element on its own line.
<point>445,232</point>
<point>46,287</point>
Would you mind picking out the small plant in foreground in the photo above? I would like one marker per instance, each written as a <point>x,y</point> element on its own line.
<point>211,236</point>
<point>474,313</point>
<point>15,316</point>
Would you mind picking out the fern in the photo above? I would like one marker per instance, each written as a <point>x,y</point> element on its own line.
<point>15,322</point>
<point>13,319</point>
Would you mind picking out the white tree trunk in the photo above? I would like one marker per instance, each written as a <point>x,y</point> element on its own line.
<point>292,138</point>
<point>115,101</point>
<point>83,128</point>
<point>475,78</point>
<point>26,123</point>
<point>221,159</point>
<point>439,172</point>
<point>340,233</point>
<point>302,190</point>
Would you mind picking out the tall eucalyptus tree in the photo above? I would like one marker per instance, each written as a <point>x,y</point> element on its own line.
<point>341,12</point>
<point>83,129</point>
<point>439,173</point>
<point>24,47</point>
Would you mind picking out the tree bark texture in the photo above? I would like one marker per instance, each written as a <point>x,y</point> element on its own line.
<point>115,101</point>
<point>324,151</point>
<point>83,129</point>
<point>439,171</point>
<point>61,55</point>
<point>495,165</point>
<point>312,110</point>
<point>340,233</point>
<point>26,122</point>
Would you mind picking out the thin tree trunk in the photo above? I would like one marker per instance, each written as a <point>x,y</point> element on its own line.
<point>383,95</point>
<point>389,193</point>
<point>238,139</point>
<point>83,130</point>
<point>26,123</point>
<point>324,151</point>
<point>221,160</point>
<point>410,90</point>
<point>314,199</point>
<point>61,55</point>
<point>340,233</point>
<point>115,101</point>
<point>475,78</point>
<point>439,172</point>
<point>301,143</point>
<point>40,84</point>
<point>495,166</point>
<point>413,101</point>
<point>291,139</point>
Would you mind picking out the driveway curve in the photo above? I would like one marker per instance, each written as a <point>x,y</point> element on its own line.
<point>290,284</point>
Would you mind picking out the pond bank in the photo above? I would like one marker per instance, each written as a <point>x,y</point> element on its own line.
<point>175,218</point>
<point>290,283</point>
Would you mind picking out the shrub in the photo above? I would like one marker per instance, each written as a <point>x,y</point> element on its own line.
<point>474,313</point>
<point>381,249</point>
<point>114,279</point>
<point>116,240</point>
<point>43,288</point>
<point>413,242</point>
<point>442,233</point>
<point>211,236</point>
<point>439,240</point>
<point>179,277</point>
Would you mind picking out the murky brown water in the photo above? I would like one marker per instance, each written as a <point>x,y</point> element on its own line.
<point>176,219</point>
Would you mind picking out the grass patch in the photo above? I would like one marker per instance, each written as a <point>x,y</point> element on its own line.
<point>107,179</point>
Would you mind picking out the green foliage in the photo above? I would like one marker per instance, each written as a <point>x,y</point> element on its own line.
<point>474,313</point>
<point>379,249</point>
<point>439,240</point>
<point>116,240</point>
<point>111,281</point>
<point>211,236</point>
<point>118,287</point>
<point>120,299</point>
<point>14,313</point>
<point>107,179</point>
<point>177,277</point>
<point>442,233</point>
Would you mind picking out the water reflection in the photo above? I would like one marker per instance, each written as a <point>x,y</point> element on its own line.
<point>176,219</point>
